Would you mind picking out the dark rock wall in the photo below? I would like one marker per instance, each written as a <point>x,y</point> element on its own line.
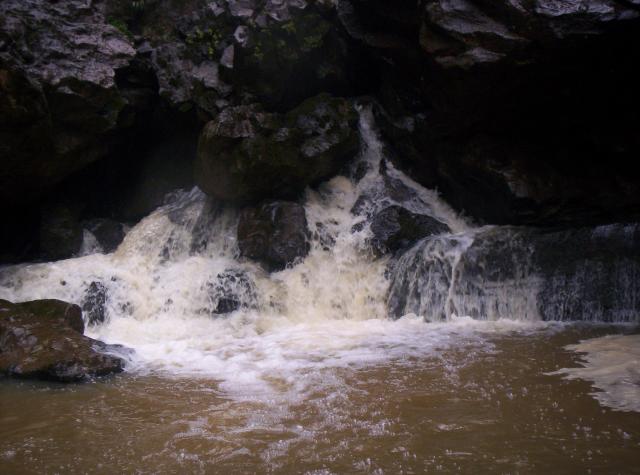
<point>519,112</point>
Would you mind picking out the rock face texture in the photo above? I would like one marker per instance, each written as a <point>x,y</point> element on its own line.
<point>275,234</point>
<point>247,154</point>
<point>59,101</point>
<point>396,228</point>
<point>580,274</point>
<point>515,110</point>
<point>43,339</point>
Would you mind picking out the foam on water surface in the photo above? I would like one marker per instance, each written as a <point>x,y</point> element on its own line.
<point>612,364</point>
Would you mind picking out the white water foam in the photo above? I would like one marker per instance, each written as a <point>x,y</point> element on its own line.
<point>612,364</point>
<point>329,311</point>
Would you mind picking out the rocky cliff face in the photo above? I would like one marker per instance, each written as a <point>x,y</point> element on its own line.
<point>516,111</point>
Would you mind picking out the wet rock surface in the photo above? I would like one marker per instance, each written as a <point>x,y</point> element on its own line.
<point>231,291</point>
<point>247,154</point>
<point>514,111</point>
<point>275,234</point>
<point>108,232</point>
<point>43,339</point>
<point>94,303</point>
<point>396,228</point>
<point>509,272</point>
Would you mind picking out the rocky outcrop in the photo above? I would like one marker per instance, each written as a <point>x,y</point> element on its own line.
<point>59,102</point>
<point>247,154</point>
<point>43,339</point>
<point>509,272</point>
<point>275,234</point>
<point>517,112</point>
<point>396,228</point>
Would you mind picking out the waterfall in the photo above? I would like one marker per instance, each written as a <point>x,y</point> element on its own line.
<point>588,274</point>
<point>160,289</point>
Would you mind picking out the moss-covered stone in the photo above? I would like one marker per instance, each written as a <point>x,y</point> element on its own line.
<point>246,154</point>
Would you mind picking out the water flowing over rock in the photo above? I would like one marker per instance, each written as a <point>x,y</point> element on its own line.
<point>108,233</point>
<point>231,291</point>
<point>395,228</point>
<point>43,339</point>
<point>247,154</point>
<point>498,272</point>
<point>275,234</point>
<point>94,303</point>
<point>517,112</point>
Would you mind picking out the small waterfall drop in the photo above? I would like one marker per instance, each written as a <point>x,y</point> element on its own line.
<point>165,283</point>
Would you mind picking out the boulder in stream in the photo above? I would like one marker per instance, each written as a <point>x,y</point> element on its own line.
<point>232,290</point>
<point>43,339</point>
<point>395,228</point>
<point>275,234</point>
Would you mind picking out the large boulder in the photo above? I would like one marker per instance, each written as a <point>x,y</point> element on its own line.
<point>43,339</point>
<point>246,154</point>
<point>522,273</point>
<point>275,234</point>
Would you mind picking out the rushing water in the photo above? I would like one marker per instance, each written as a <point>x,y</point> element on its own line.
<point>310,375</point>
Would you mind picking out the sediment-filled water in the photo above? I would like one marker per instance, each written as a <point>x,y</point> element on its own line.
<point>310,374</point>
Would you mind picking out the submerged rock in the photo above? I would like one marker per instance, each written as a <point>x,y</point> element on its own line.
<point>523,273</point>
<point>395,228</point>
<point>232,290</point>
<point>275,234</point>
<point>94,303</point>
<point>246,154</point>
<point>43,339</point>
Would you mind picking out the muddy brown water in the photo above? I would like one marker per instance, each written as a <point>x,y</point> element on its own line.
<point>477,409</point>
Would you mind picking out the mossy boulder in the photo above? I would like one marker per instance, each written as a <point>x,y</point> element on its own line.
<point>43,339</point>
<point>247,154</point>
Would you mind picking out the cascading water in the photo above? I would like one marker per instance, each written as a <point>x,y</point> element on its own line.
<point>328,366</point>
<point>163,286</point>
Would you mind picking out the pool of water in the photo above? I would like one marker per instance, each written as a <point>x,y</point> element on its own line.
<point>492,403</point>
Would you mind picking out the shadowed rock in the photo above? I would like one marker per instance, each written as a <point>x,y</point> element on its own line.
<point>275,234</point>
<point>246,154</point>
<point>395,228</point>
